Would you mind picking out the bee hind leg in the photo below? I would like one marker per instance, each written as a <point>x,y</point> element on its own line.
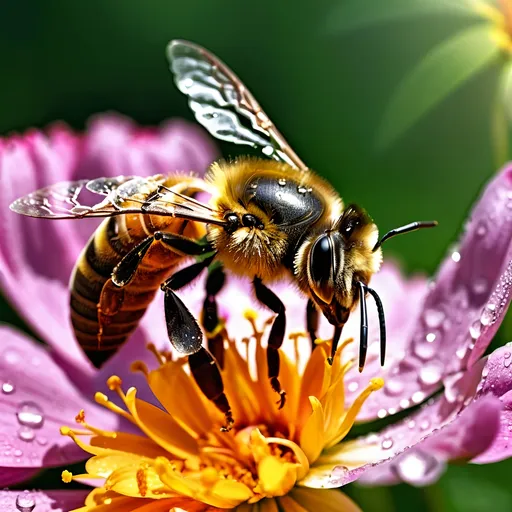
<point>186,336</point>
<point>267,297</point>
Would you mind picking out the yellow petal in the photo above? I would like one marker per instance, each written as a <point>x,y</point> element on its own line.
<point>181,397</point>
<point>315,500</point>
<point>134,480</point>
<point>104,465</point>
<point>312,435</point>
<point>161,428</point>
<point>276,478</point>
<point>129,443</point>
<point>224,493</point>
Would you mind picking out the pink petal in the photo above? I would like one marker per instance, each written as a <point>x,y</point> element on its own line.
<point>44,501</point>
<point>11,476</point>
<point>498,381</point>
<point>33,383</point>
<point>463,309</point>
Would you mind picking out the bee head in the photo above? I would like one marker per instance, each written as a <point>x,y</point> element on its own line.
<point>339,258</point>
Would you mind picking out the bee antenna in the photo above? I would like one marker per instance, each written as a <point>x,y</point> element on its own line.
<point>413,226</point>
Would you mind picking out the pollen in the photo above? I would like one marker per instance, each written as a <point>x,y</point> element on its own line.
<point>80,417</point>
<point>141,481</point>
<point>114,383</point>
<point>67,476</point>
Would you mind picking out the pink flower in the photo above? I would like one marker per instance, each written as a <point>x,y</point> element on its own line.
<point>437,332</point>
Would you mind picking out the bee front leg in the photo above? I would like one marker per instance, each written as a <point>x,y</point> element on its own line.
<point>312,321</point>
<point>267,297</point>
<point>186,336</point>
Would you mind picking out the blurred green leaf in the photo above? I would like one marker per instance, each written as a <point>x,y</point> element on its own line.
<point>500,117</point>
<point>362,13</point>
<point>440,72</point>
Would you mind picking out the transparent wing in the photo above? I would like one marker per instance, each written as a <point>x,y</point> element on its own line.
<point>123,195</point>
<point>220,102</point>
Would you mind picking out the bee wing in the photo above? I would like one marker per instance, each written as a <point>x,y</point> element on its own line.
<point>61,201</point>
<point>219,99</point>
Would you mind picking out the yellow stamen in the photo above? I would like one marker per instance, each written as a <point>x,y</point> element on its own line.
<point>103,400</point>
<point>350,416</point>
<point>114,383</point>
<point>139,366</point>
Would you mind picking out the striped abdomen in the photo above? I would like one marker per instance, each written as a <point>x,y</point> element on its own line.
<point>91,284</point>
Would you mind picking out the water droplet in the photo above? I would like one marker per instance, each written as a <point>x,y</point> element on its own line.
<point>387,443</point>
<point>42,440</point>
<point>391,411</point>
<point>488,316</point>
<point>431,373</point>
<point>425,350</point>
<point>12,356</point>
<point>475,329</point>
<point>480,285</point>
<point>353,386</point>
<point>434,318</point>
<point>507,360</point>
<point>430,337</point>
<point>30,415</point>
<point>8,388</point>
<point>415,466</point>
<point>411,424</point>
<point>394,387</point>
<point>481,229</point>
<point>18,453</point>
<point>509,428</point>
<point>382,413</point>
<point>424,424</point>
<point>24,502</point>
<point>418,397</point>
<point>26,434</point>
<point>404,403</point>
<point>281,182</point>
<point>456,256</point>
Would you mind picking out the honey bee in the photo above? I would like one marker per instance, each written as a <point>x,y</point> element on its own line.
<point>267,218</point>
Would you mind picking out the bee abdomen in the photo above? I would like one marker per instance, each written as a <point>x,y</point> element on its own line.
<point>92,271</point>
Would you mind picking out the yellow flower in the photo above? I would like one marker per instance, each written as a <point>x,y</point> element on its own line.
<point>183,460</point>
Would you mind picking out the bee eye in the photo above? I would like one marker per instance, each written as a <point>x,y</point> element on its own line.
<point>322,262</point>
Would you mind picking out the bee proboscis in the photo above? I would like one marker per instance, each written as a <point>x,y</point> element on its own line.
<point>267,218</point>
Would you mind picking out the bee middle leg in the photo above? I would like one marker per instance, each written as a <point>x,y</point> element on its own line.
<point>312,321</point>
<point>267,297</point>
<point>210,317</point>
<point>186,336</point>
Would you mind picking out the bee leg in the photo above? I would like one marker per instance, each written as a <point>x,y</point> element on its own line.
<point>210,317</point>
<point>125,270</point>
<point>109,304</point>
<point>312,320</point>
<point>267,297</point>
<point>206,373</point>
<point>186,336</point>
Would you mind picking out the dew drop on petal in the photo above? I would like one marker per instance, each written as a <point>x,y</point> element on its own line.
<point>480,285</point>
<point>418,397</point>
<point>25,502</point>
<point>414,467</point>
<point>425,350</point>
<point>424,424</point>
<point>404,403</point>
<point>30,415</point>
<point>507,361</point>
<point>11,356</point>
<point>17,453</point>
<point>387,443</point>
<point>353,386</point>
<point>456,256</point>
<point>8,387</point>
<point>434,318</point>
<point>42,440</point>
<point>26,433</point>
<point>475,329</point>
<point>481,229</point>
<point>431,373</point>
<point>411,424</point>
<point>382,413</point>
<point>430,337</point>
<point>394,387</point>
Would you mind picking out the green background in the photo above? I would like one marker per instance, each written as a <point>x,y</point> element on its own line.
<point>326,92</point>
